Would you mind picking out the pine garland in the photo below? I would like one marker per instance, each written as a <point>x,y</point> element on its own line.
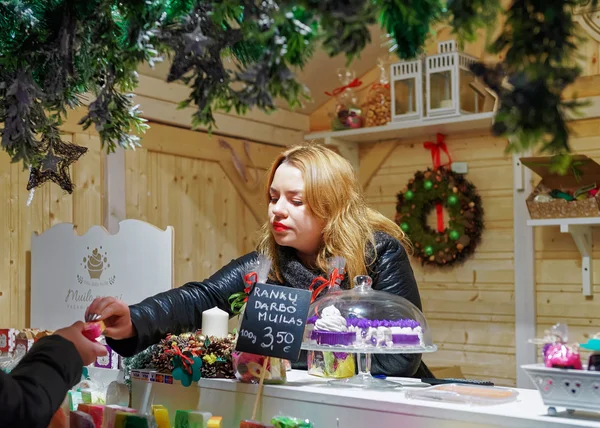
<point>240,54</point>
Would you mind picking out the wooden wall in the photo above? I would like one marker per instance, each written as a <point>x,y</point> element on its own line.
<point>50,206</point>
<point>194,194</point>
<point>558,263</point>
<point>180,177</point>
<point>469,308</point>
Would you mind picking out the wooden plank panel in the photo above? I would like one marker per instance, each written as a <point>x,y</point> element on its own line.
<point>212,224</point>
<point>565,305</point>
<point>472,271</point>
<point>174,93</point>
<point>87,176</point>
<point>587,57</point>
<point>555,271</point>
<point>470,308</point>
<point>480,364</point>
<point>474,333</point>
<point>61,203</point>
<point>472,303</point>
<point>5,237</point>
<point>17,261</point>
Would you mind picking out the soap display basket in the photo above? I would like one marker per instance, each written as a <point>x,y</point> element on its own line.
<point>571,389</point>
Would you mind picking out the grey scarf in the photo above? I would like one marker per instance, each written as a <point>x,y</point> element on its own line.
<point>295,274</point>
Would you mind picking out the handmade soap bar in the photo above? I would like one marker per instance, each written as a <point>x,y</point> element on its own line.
<point>287,422</point>
<point>93,330</point>
<point>110,412</point>
<point>90,396</point>
<point>253,424</point>
<point>79,419</point>
<point>132,420</point>
<point>215,422</point>
<point>161,415</point>
<point>96,411</point>
<point>191,419</point>
<point>74,399</point>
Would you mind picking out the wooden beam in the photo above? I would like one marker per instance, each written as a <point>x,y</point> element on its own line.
<point>158,89</point>
<point>372,161</point>
<point>252,197</point>
<point>231,126</point>
<point>184,142</point>
<point>166,112</point>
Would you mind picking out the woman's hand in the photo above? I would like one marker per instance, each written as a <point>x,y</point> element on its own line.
<point>116,316</point>
<point>88,350</point>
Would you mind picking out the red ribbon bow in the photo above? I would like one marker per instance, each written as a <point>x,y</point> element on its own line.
<point>354,84</point>
<point>186,361</point>
<point>321,283</point>
<point>436,149</point>
<point>250,279</point>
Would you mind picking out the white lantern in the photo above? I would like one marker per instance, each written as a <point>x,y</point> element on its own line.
<point>452,89</point>
<point>406,79</point>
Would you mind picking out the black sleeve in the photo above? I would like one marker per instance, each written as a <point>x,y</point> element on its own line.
<point>35,389</point>
<point>393,273</point>
<point>180,310</point>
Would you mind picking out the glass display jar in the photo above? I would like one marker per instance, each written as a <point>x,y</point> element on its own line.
<point>366,321</point>
<point>248,368</point>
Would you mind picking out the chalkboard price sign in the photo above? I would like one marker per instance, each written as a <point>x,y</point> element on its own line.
<point>273,322</point>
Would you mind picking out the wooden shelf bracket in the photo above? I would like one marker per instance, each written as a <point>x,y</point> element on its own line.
<point>582,235</point>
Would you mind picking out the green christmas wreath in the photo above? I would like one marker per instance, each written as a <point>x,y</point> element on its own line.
<point>435,189</point>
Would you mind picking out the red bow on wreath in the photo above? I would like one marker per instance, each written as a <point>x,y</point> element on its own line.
<point>354,84</point>
<point>436,149</point>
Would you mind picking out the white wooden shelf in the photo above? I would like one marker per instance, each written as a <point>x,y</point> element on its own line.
<point>581,232</point>
<point>408,129</point>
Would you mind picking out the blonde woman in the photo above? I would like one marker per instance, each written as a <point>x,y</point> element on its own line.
<point>316,210</point>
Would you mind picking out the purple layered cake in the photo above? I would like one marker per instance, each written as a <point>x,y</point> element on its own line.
<point>334,330</point>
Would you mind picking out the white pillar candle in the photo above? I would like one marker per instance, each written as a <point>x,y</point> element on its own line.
<point>215,322</point>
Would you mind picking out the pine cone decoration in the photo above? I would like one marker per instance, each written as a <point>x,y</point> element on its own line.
<point>162,358</point>
<point>216,362</point>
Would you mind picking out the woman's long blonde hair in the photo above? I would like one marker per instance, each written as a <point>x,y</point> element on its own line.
<point>333,194</point>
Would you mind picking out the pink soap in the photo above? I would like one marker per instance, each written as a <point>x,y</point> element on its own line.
<point>79,419</point>
<point>93,330</point>
<point>95,411</point>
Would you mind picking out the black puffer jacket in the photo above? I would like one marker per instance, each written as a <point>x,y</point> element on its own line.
<point>180,310</point>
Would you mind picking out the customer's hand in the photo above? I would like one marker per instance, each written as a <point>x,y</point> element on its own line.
<point>88,350</point>
<point>116,317</point>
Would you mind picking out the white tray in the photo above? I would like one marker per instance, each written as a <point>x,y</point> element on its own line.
<point>573,389</point>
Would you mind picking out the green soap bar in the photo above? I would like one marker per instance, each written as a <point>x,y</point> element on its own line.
<point>130,420</point>
<point>191,419</point>
<point>287,422</point>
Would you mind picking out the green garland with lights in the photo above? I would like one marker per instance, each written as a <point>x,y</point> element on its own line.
<point>463,205</point>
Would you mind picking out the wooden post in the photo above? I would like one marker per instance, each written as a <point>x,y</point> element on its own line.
<point>524,265</point>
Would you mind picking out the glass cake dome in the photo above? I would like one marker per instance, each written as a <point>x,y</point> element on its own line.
<point>366,321</point>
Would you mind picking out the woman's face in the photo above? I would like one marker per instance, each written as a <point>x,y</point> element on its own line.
<point>292,222</point>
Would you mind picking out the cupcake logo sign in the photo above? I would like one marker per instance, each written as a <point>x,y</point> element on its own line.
<point>96,263</point>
